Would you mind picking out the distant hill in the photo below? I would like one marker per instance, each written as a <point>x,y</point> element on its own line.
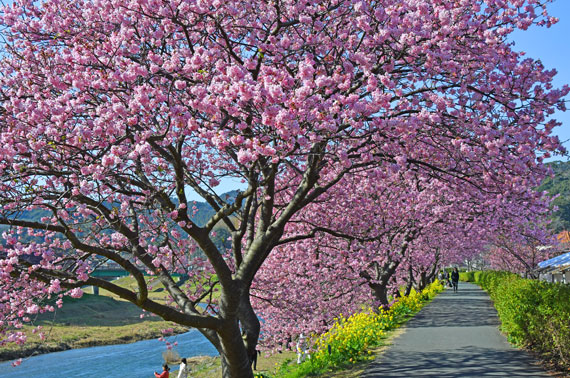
<point>205,211</point>
<point>559,184</point>
<point>203,214</point>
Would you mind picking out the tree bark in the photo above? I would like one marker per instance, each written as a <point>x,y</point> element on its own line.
<point>233,354</point>
<point>410,281</point>
<point>421,282</point>
<point>433,272</point>
<point>251,326</point>
<point>379,286</point>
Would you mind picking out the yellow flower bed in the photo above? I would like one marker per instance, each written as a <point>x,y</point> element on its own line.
<point>350,338</point>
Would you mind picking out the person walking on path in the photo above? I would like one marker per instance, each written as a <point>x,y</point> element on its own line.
<point>455,279</point>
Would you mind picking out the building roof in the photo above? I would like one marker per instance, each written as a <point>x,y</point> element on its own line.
<point>560,262</point>
<point>563,237</point>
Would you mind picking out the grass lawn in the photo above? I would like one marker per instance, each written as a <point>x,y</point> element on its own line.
<point>92,310</point>
<point>209,367</point>
<point>158,293</point>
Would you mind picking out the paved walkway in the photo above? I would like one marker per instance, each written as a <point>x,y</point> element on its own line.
<point>456,335</point>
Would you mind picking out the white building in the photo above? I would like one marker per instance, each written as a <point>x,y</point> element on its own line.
<point>556,269</point>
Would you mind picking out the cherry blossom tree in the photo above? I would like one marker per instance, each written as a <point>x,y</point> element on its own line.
<point>520,252</point>
<point>113,111</point>
<point>397,233</point>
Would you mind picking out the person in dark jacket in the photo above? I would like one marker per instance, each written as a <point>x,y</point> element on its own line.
<point>455,279</point>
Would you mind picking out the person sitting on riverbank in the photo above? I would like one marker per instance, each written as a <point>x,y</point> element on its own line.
<point>184,369</point>
<point>164,373</point>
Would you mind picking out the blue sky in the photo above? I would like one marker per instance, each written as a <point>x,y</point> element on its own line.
<point>552,47</point>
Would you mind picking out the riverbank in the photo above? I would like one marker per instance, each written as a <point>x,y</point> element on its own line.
<point>138,359</point>
<point>62,338</point>
<point>269,365</point>
<point>87,322</point>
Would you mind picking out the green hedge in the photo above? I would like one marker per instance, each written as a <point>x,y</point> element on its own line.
<point>533,313</point>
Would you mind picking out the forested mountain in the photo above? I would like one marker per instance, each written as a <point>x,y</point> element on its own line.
<point>559,184</point>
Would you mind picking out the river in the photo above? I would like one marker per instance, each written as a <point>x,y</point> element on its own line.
<point>136,360</point>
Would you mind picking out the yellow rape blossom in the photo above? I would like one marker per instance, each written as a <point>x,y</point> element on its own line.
<point>350,338</point>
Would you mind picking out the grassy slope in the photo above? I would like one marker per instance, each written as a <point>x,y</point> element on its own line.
<point>95,320</point>
<point>92,310</point>
<point>89,321</point>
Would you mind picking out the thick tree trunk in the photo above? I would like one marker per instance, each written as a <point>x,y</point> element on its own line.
<point>433,273</point>
<point>383,273</point>
<point>251,326</point>
<point>396,290</point>
<point>233,354</point>
<point>380,292</point>
<point>379,286</point>
<point>434,268</point>
<point>421,282</point>
<point>410,281</point>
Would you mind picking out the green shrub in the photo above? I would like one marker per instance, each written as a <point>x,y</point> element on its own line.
<point>535,314</point>
<point>467,276</point>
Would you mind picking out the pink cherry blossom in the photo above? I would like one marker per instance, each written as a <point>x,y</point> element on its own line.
<point>375,141</point>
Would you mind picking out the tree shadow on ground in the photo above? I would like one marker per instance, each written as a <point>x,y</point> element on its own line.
<point>463,362</point>
<point>466,308</point>
<point>443,341</point>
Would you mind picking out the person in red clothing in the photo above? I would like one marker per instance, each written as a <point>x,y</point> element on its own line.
<point>164,373</point>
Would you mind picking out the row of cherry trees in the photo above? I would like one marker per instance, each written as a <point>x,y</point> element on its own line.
<point>375,140</point>
<point>373,239</point>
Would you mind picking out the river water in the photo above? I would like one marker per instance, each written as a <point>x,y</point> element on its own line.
<point>136,360</point>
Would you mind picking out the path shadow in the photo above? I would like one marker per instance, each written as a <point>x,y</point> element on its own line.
<point>442,341</point>
<point>463,362</point>
<point>469,307</point>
